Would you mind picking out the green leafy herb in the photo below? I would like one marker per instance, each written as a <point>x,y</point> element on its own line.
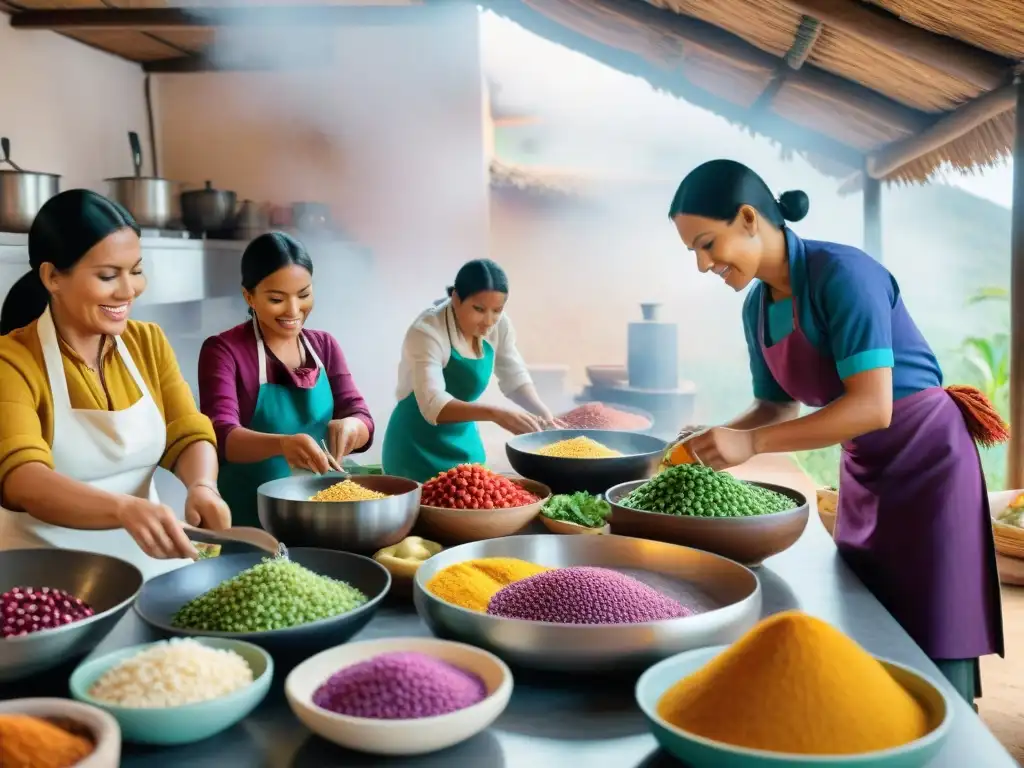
<point>581,508</point>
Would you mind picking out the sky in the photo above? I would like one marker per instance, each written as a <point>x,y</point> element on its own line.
<point>571,88</point>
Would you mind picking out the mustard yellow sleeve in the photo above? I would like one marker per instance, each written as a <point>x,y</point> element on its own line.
<point>185,423</point>
<point>22,438</point>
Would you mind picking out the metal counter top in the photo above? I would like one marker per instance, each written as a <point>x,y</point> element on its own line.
<point>552,723</point>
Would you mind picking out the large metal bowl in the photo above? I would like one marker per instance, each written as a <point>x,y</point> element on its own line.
<point>729,594</point>
<point>642,454</point>
<point>747,540</point>
<point>352,526</point>
<point>107,584</point>
<point>163,595</point>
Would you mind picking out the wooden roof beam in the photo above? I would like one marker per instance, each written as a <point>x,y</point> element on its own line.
<point>806,37</point>
<point>982,69</point>
<point>193,18</point>
<point>716,42</point>
<point>949,128</point>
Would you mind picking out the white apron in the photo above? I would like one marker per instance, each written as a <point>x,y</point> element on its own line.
<point>115,451</point>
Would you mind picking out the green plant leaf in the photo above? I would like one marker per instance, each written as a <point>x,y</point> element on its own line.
<point>989,293</point>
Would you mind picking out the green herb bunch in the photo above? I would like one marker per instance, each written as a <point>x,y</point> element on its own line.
<point>580,508</point>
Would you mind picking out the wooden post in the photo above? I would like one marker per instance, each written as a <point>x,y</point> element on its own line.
<point>1015,456</point>
<point>873,217</point>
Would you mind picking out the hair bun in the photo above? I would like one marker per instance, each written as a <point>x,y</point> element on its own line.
<point>450,290</point>
<point>794,204</point>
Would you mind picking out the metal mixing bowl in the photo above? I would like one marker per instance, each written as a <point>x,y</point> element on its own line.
<point>727,592</point>
<point>642,454</point>
<point>351,526</point>
<point>107,584</point>
<point>747,540</point>
<point>163,595</point>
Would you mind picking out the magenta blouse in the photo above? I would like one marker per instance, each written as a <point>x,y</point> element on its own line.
<point>229,379</point>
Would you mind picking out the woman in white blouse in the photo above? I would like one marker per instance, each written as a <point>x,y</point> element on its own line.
<point>448,357</point>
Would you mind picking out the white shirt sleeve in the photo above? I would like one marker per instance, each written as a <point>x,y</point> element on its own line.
<point>509,366</point>
<point>426,357</point>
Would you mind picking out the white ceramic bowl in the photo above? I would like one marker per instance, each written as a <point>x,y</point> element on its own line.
<point>399,737</point>
<point>105,732</point>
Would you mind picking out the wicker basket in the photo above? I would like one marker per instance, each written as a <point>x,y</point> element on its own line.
<point>828,504</point>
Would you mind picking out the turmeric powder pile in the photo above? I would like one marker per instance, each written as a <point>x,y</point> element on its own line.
<point>31,742</point>
<point>796,685</point>
<point>472,584</point>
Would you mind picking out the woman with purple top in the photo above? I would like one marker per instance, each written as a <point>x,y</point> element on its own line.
<point>274,390</point>
<point>826,327</point>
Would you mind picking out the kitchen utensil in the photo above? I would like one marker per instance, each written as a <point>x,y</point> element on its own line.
<point>251,221</point>
<point>399,737</point>
<point>237,540</point>
<point>106,583</point>
<point>311,217</point>
<point>22,193</point>
<point>208,211</point>
<point>151,201</point>
<point>641,455</point>
<point>162,597</point>
<point>697,750</point>
<point>726,594</point>
<point>188,723</point>
<point>462,525</point>
<point>747,540</point>
<point>106,735</point>
<point>352,526</point>
<point>333,462</point>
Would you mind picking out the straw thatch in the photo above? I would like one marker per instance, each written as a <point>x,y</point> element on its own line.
<point>534,180</point>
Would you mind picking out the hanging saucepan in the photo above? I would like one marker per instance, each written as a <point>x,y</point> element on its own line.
<point>22,193</point>
<point>152,201</point>
<point>209,211</point>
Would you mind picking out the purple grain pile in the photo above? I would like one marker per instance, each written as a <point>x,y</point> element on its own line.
<point>400,686</point>
<point>584,595</point>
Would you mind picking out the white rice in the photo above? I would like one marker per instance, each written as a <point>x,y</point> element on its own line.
<point>172,673</point>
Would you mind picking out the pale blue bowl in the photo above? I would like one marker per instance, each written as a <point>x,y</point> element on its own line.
<point>188,723</point>
<point>696,750</point>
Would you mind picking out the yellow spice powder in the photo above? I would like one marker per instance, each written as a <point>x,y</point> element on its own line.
<point>472,584</point>
<point>347,490</point>
<point>578,448</point>
<point>795,684</point>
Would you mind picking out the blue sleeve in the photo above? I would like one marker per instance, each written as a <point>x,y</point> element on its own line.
<point>856,295</point>
<point>765,386</point>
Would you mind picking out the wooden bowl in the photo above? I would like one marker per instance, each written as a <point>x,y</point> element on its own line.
<point>563,527</point>
<point>465,525</point>
<point>828,504</point>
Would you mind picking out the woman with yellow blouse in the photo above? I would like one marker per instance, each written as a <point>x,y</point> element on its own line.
<point>91,403</point>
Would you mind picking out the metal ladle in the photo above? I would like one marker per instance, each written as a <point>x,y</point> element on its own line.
<point>5,148</point>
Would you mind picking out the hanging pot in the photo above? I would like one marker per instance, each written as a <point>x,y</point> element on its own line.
<point>22,193</point>
<point>152,201</point>
<point>208,211</point>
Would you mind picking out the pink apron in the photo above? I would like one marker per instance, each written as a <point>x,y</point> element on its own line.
<point>913,520</point>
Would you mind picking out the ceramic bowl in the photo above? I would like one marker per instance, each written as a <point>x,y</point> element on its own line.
<point>571,529</point>
<point>398,737</point>
<point>696,750</point>
<point>104,729</point>
<point>747,540</point>
<point>189,722</point>
<point>458,526</point>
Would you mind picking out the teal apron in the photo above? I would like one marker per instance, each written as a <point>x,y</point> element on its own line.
<point>280,410</point>
<point>419,450</point>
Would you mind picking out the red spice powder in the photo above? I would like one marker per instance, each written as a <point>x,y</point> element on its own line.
<point>601,416</point>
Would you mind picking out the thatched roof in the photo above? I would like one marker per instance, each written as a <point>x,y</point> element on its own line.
<point>899,87</point>
<point>904,86</point>
<point>534,180</point>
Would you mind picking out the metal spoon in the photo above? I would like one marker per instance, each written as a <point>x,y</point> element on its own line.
<point>5,147</point>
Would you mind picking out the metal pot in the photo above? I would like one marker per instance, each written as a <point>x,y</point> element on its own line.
<point>22,193</point>
<point>152,201</point>
<point>311,217</point>
<point>208,211</point>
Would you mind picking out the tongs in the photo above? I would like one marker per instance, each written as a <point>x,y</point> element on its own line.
<point>333,462</point>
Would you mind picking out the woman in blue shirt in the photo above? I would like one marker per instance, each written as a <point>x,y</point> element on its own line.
<point>826,327</point>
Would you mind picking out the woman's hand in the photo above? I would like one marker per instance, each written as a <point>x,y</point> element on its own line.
<point>721,448</point>
<point>346,435</point>
<point>517,422</point>
<point>204,508</point>
<point>690,429</point>
<point>155,529</point>
<point>303,452</point>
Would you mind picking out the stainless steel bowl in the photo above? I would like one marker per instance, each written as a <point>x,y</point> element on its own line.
<point>107,584</point>
<point>163,595</point>
<point>747,540</point>
<point>728,594</point>
<point>641,455</point>
<point>350,526</point>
